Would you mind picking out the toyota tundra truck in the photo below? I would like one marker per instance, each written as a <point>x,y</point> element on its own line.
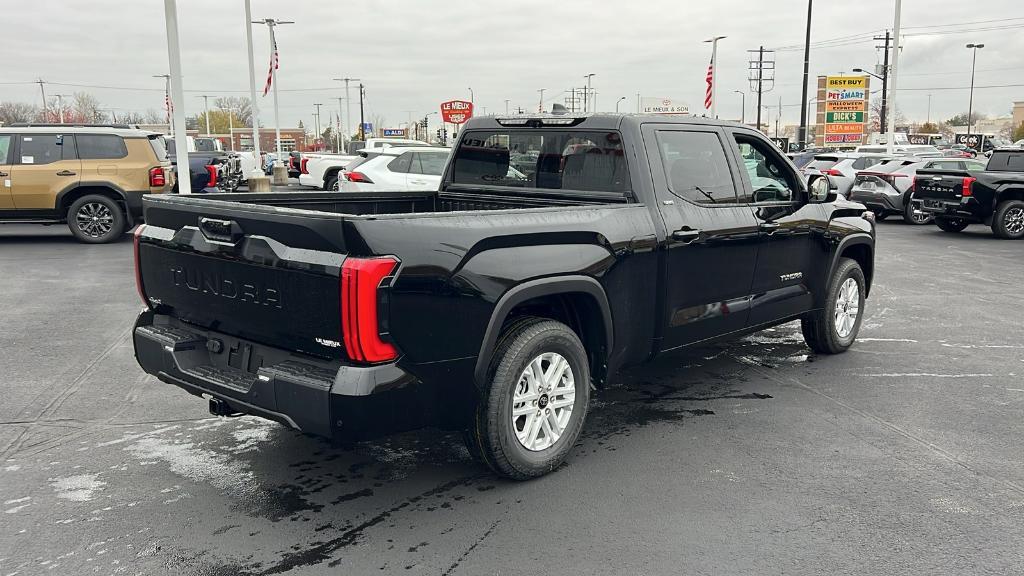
<point>498,303</point>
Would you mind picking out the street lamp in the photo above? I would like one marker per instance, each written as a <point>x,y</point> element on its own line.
<point>970,103</point>
<point>885,101</point>
<point>471,99</point>
<point>617,104</point>
<point>743,106</point>
<point>586,93</point>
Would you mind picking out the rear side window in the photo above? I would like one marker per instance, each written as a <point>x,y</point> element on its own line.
<point>401,164</point>
<point>44,149</point>
<point>157,142</point>
<point>1006,162</point>
<point>100,147</point>
<point>822,163</point>
<point>696,166</point>
<point>588,161</point>
<point>944,165</point>
<point>862,163</point>
<point>429,164</point>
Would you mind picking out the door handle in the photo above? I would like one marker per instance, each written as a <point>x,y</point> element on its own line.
<point>65,173</point>
<point>4,174</point>
<point>686,235</point>
<point>769,226</point>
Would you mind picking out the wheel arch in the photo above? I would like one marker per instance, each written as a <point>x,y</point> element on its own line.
<point>859,247</point>
<point>67,196</point>
<point>579,302</point>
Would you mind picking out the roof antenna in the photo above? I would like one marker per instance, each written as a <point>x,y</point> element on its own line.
<point>559,109</point>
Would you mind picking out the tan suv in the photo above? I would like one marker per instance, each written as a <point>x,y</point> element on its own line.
<point>92,177</point>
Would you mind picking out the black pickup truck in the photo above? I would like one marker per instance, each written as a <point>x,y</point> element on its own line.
<point>994,196</point>
<point>494,305</point>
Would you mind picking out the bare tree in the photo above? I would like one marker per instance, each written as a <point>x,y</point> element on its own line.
<point>86,108</point>
<point>11,112</point>
<point>874,116</point>
<point>241,107</point>
<point>155,116</point>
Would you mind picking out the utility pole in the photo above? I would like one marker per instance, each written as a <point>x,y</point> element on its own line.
<point>883,112</point>
<point>317,123</point>
<point>540,106</point>
<point>802,136</point>
<point>929,119</point>
<point>506,106</point>
<point>339,128</point>
<point>206,106</point>
<point>760,82</point>
<point>43,92</point>
<point>777,116</point>
<point>362,117</point>
<point>890,139</point>
<point>258,182</point>
<point>714,74</point>
<point>280,172</point>
<point>586,93</point>
<point>60,105</point>
<point>348,101</point>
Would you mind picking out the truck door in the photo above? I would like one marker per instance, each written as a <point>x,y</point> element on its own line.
<point>6,199</point>
<point>788,258</point>
<point>712,238</point>
<point>46,164</point>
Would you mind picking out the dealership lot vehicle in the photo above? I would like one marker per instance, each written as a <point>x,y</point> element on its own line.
<point>888,188</point>
<point>993,196</point>
<point>492,304</point>
<point>922,151</point>
<point>210,169</point>
<point>91,177</point>
<point>397,169</point>
<point>841,168</point>
<point>325,171</point>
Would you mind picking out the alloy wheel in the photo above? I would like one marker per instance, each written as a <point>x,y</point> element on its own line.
<point>542,402</point>
<point>94,219</point>
<point>1013,220</point>
<point>847,307</point>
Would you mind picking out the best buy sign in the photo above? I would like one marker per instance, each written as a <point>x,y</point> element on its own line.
<point>844,117</point>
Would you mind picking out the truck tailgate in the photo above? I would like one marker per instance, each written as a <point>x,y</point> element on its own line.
<point>214,265</point>
<point>934,185</point>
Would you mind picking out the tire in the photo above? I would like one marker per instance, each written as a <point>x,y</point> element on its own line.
<point>1008,221</point>
<point>495,436</point>
<point>910,217</point>
<point>331,184</point>
<point>879,216</point>
<point>951,224</point>
<point>96,219</point>
<point>828,331</point>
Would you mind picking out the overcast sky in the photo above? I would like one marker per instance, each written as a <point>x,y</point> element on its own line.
<point>413,54</point>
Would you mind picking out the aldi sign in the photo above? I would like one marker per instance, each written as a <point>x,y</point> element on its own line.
<point>394,133</point>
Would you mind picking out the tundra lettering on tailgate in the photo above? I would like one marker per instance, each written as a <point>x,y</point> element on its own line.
<point>217,285</point>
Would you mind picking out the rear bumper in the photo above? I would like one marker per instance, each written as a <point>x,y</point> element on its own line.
<point>321,397</point>
<point>877,201</point>
<point>308,180</point>
<point>967,208</point>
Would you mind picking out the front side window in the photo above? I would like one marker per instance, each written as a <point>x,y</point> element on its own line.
<point>100,147</point>
<point>542,158</point>
<point>41,149</point>
<point>5,149</point>
<point>696,166</point>
<point>770,180</point>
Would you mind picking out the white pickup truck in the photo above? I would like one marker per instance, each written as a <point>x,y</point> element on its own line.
<point>323,170</point>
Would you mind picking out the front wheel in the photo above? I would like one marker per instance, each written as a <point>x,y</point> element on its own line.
<point>951,224</point>
<point>1008,221</point>
<point>532,411</point>
<point>96,219</point>
<point>833,329</point>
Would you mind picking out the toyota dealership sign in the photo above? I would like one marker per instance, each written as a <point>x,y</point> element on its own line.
<point>456,111</point>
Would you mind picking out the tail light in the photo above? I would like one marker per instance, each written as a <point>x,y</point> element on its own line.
<point>913,183</point>
<point>968,181</point>
<point>832,172</point>
<point>291,162</point>
<point>138,271</point>
<point>212,171</point>
<point>157,177</point>
<point>358,177</point>
<point>362,293</point>
<point>302,166</point>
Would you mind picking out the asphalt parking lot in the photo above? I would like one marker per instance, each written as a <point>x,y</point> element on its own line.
<point>902,456</point>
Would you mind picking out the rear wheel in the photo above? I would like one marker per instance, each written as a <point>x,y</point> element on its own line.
<point>1008,221</point>
<point>879,216</point>
<point>951,224</point>
<point>96,219</point>
<point>912,216</point>
<point>532,410</point>
<point>332,184</point>
<point>833,329</point>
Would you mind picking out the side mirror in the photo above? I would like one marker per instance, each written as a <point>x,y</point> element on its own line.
<point>820,189</point>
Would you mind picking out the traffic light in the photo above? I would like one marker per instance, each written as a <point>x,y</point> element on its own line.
<point>438,134</point>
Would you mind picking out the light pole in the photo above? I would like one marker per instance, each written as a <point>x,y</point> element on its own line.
<point>206,107</point>
<point>970,103</point>
<point>348,102</point>
<point>883,112</point>
<point>802,135</point>
<point>540,106</point>
<point>317,115</point>
<point>506,106</point>
<point>890,139</point>
<point>60,105</point>
<point>743,106</point>
<point>280,172</point>
<point>714,72</point>
<point>231,128</point>
<point>177,92</point>
<point>617,102</point>
<point>471,98</point>
<point>258,182</point>
<point>337,136</point>
<point>586,94</point>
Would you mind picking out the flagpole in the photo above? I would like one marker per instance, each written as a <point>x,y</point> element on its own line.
<point>714,74</point>
<point>280,174</point>
<point>254,110</point>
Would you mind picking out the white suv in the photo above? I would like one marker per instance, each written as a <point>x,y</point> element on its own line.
<point>396,169</point>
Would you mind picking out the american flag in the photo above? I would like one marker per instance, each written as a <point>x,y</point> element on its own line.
<point>275,63</point>
<point>168,106</point>
<point>710,80</point>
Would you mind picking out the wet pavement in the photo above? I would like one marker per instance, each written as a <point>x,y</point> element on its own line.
<point>752,457</point>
